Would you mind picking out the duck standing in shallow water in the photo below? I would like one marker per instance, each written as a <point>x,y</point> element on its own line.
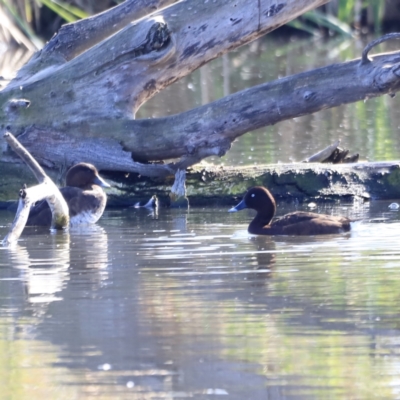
<point>296,223</point>
<point>83,193</point>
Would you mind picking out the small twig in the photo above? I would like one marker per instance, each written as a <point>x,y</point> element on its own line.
<point>364,57</point>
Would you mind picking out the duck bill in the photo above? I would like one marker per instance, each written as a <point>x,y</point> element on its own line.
<point>98,180</point>
<point>242,205</point>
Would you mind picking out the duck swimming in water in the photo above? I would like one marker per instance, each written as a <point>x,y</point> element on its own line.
<point>83,193</point>
<point>296,223</point>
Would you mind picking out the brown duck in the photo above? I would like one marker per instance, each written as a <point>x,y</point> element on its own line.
<point>83,193</point>
<point>296,223</point>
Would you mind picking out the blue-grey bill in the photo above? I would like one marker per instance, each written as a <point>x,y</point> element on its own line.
<point>238,207</point>
<point>98,180</point>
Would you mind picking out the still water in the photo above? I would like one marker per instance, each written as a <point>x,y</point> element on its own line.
<point>186,304</point>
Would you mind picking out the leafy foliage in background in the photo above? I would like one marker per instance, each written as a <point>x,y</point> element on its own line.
<point>341,15</point>
<point>20,19</point>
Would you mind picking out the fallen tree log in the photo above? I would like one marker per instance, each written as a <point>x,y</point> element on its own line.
<point>76,99</point>
<point>67,105</point>
<point>209,185</point>
<point>216,185</point>
<point>113,142</point>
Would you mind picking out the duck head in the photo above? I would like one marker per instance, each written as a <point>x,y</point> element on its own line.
<point>260,199</point>
<point>83,175</point>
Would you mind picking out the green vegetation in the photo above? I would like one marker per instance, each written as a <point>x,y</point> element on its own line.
<point>21,19</point>
<point>24,20</point>
<point>343,17</point>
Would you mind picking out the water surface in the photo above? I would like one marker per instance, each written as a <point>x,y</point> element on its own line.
<point>190,306</point>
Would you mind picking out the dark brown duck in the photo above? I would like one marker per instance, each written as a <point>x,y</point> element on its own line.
<point>296,223</point>
<point>83,193</point>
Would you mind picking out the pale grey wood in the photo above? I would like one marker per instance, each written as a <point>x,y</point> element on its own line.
<point>18,225</point>
<point>323,154</point>
<point>45,190</point>
<point>83,109</point>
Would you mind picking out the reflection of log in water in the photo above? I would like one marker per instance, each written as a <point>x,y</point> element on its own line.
<point>44,264</point>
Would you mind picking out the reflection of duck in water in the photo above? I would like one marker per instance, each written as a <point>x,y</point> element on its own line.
<point>265,252</point>
<point>152,203</point>
<point>83,193</point>
<point>296,223</point>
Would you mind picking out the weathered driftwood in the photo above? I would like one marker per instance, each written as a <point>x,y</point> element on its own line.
<point>28,196</point>
<point>333,154</point>
<point>76,99</point>
<point>206,127</point>
<point>211,185</point>
<point>69,105</point>
<point>207,184</point>
<point>208,130</point>
<point>178,190</point>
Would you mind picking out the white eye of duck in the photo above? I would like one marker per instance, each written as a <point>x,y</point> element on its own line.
<point>253,195</point>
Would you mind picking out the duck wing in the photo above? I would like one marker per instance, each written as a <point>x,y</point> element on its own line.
<point>294,218</point>
<point>307,223</point>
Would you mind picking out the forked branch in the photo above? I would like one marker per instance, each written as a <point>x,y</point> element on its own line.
<point>45,190</point>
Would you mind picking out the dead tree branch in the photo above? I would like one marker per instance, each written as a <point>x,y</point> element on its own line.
<point>83,108</point>
<point>28,196</point>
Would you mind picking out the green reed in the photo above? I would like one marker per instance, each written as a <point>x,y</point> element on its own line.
<point>341,17</point>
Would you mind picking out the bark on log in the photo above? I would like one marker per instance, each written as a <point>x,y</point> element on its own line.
<point>73,39</point>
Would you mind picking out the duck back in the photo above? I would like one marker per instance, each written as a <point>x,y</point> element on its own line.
<point>307,223</point>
